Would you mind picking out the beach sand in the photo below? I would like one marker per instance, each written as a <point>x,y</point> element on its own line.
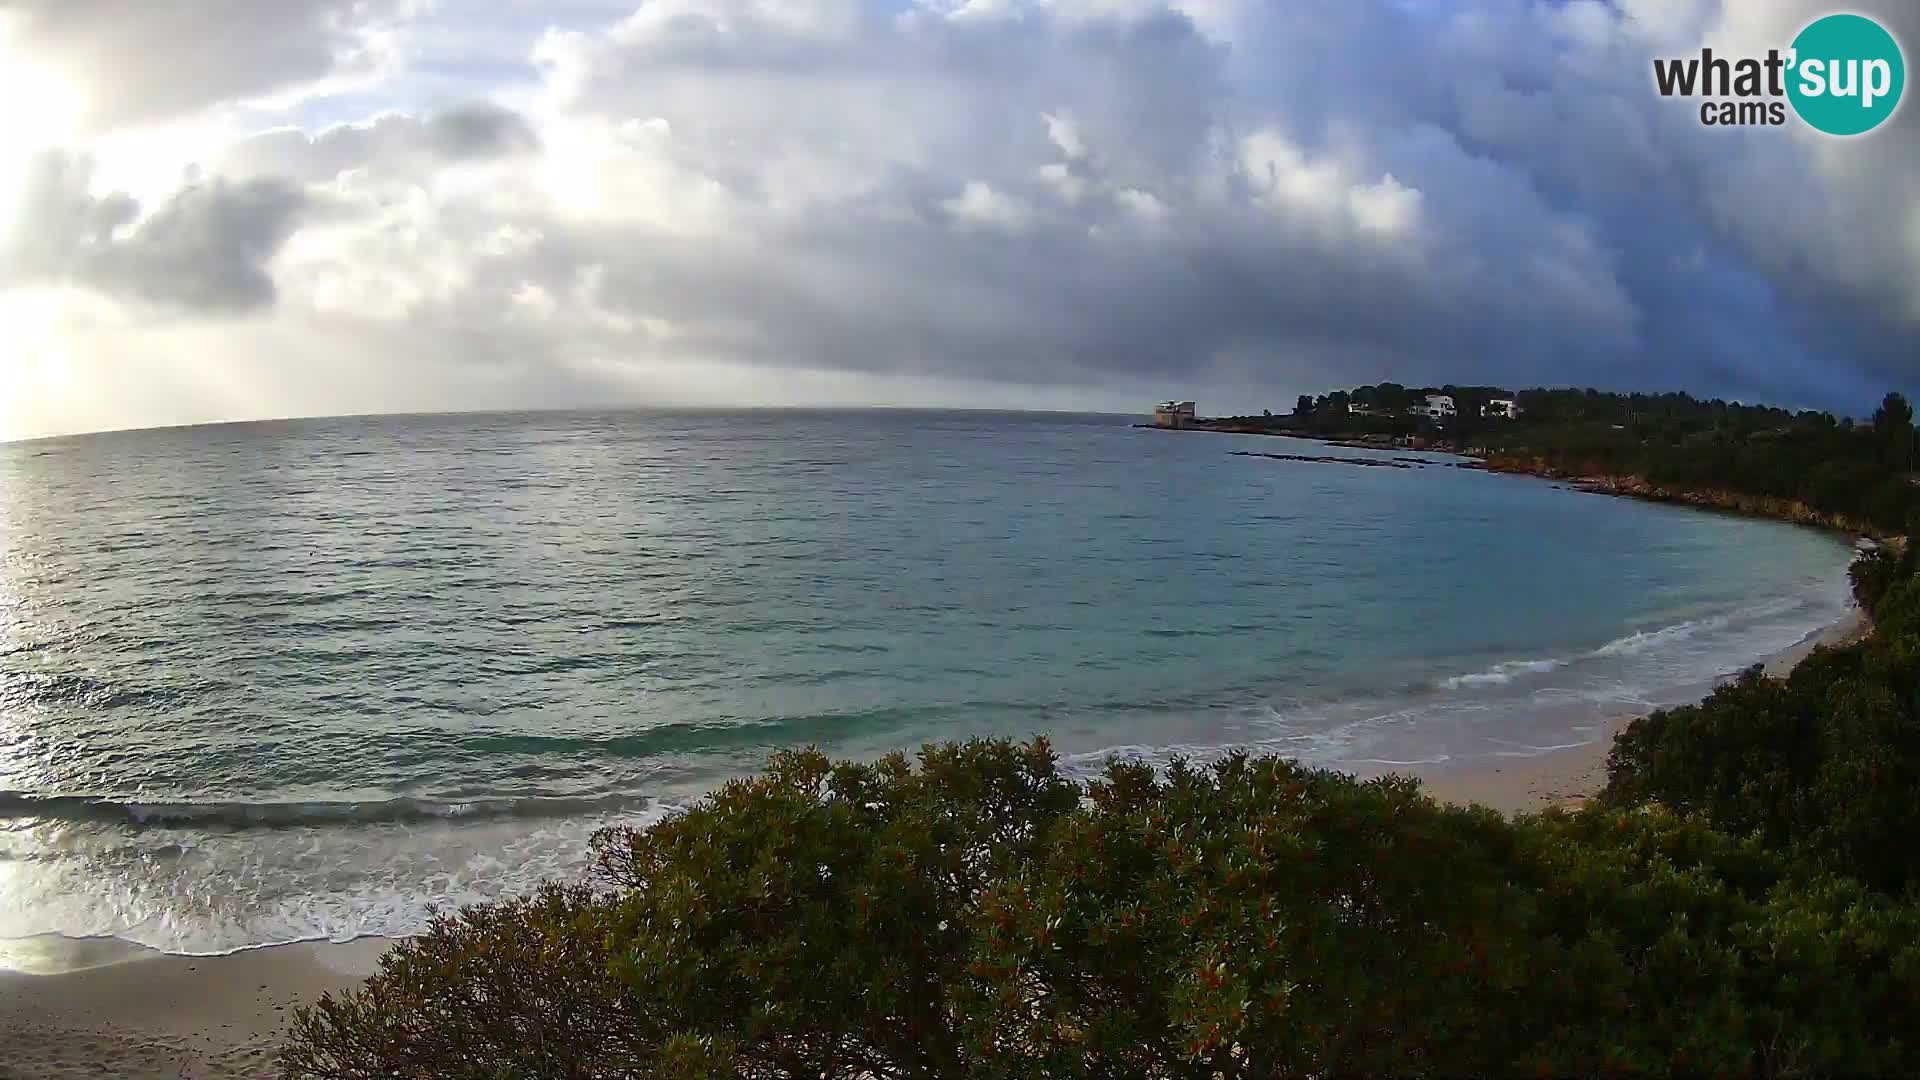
<point>1570,777</point>
<point>145,1016</point>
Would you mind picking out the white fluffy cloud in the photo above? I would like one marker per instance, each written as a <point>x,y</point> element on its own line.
<point>145,60</point>
<point>1076,202</point>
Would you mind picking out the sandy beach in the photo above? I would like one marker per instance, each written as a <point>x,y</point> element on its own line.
<point>147,1016</point>
<point>1569,777</point>
<point>127,1012</point>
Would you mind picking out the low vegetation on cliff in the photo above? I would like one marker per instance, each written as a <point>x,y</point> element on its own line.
<point>1739,902</point>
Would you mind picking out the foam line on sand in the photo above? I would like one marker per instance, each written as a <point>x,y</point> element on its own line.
<point>1571,776</point>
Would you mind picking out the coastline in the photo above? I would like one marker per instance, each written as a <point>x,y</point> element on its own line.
<point>1568,778</point>
<point>119,1010</point>
<point>1477,459</point>
<point>105,1008</point>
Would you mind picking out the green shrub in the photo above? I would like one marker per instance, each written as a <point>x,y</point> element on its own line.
<point>1824,765</point>
<point>497,991</point>
<point>1872,574</point>
<point>1745,757</point>
<point>980,915</point>
<point>817,919</point>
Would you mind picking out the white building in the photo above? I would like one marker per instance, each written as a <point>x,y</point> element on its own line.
<point>1501,406</point>
<point>1439,406</point>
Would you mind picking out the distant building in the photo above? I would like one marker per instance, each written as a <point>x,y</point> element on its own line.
<point>1355,408</point>
<point>1437,407</point>
<point>1501,406</point>
<point>1173,414</point>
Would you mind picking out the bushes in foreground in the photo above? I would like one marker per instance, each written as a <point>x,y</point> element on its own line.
<point>982,915</point>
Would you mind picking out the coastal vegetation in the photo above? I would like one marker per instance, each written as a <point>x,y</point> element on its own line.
<point>1742,899</point>
<point>1808,466</point>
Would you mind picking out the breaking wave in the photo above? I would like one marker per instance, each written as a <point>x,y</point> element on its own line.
<point>1503,673</point>
<point>1641,642</point>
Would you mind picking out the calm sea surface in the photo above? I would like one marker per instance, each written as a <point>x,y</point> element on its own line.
<point>268,682</point>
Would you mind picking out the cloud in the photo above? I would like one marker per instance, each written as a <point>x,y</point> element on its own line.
<point>1082,199</point>
<point>204,250</point>
<point>143,60</point>
<point>395,142</point>
<point>979,206</point>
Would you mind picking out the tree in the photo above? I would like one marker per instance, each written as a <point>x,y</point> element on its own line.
<point>980,914</point>
<point>1894,416</point>
<point>1303,405</point>
<point>1838,474</point>
<point>1893,423</point>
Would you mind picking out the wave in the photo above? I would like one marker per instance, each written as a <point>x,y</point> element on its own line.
<point>1504,672</point>
<point>1640,641</point>
<point>1647,639</point>
<point>283,815</point>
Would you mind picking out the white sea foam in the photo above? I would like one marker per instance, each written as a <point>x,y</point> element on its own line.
<point>1503,673</point>
<point>1747,628</point>
<point>150,887</point>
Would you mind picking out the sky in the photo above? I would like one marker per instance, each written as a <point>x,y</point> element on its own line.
<point>228,211</point>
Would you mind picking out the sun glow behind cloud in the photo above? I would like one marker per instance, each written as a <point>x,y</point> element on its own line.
<point>33,370</point>
<point>39,110</point>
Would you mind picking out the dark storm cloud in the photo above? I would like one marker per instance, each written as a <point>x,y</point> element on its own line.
<point>1131,214</point>
<point>1296,194</point>
<point>205,250</point>
<point>1236,193</point>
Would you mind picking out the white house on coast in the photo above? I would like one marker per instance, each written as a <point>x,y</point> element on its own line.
<point>1506,407</point>
<point>1437,407</point>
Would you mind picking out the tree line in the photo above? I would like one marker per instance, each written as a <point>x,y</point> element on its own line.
<point>1860,471</point>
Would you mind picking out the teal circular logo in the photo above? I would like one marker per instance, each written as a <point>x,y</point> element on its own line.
<point>1845,74</point>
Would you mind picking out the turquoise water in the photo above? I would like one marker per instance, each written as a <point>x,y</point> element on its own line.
<point>277,681</point>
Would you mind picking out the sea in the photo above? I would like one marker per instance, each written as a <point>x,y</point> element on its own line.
<point>300,680</point>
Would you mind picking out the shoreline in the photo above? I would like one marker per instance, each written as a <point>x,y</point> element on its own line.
<point>1478,459</point>
<point>110,1008</point>
<point>1569,777</point>
<point>103,1007</point>
<point>144,1015</point>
